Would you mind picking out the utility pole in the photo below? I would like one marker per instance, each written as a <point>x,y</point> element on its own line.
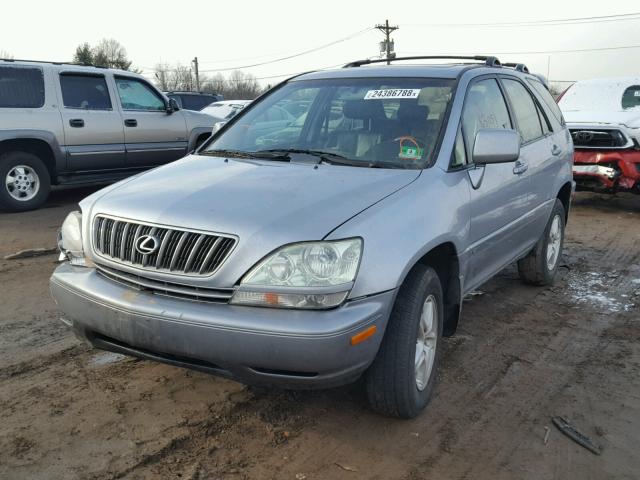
<point>387,45</point>
<point>195,65</point>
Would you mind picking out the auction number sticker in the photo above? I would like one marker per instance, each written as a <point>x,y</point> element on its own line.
<point>393,93</point>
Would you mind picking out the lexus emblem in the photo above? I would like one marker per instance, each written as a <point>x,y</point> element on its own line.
<point>584,136</point>
<point>147,244</point>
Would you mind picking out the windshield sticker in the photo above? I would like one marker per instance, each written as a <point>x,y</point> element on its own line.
<point>393,93</point>
<point>409,149</point>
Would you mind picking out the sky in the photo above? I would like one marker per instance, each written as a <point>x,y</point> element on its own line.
<point>226,35</point>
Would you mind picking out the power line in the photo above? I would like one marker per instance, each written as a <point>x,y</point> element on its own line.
<point>562,21</point>
<point>306,52</point>
<point>546,52</point>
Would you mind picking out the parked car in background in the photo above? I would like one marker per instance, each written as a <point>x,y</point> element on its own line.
<point>63,124</point>
<point>603,116</point>
<point>226,109</point>
<point>194,100</point>
<point>343,249</point>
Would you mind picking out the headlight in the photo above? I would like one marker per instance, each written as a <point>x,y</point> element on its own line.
<point>70,239</point>
<point>303,275</point>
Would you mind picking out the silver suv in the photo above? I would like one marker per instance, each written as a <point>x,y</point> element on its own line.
<point>65,124</point>
<point>307,254</point>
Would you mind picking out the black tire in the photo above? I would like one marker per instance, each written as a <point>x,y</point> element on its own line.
<point>533,268</point>
<point>390,381</point>
<point>8,162</point>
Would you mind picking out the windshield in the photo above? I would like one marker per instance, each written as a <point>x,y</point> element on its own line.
<point>386,122</point>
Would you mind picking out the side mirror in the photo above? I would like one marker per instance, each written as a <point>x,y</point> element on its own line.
<point>496,145</point>
<point>173,106</point>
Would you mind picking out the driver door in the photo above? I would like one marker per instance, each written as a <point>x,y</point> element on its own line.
<point>151,135</point>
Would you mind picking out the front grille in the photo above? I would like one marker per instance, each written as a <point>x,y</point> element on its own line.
<point>179,251</point>
<point>169,289</point>
<point>593,138</point>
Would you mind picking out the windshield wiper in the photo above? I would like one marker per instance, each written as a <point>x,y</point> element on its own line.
<point>325,157</point>
<point>242,154</point>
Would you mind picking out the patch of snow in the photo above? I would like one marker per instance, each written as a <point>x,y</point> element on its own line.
<point>592,290</point>
<point>105,358</point>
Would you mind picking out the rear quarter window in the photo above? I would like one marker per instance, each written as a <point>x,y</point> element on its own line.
<point>631,97</point>
<point>21,87</point>
<point>548,100</point>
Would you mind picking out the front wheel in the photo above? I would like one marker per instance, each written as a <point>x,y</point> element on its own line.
<point>402,378</point>
<point>539,267</point>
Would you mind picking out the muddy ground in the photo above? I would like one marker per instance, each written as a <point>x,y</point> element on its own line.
<point>521,356</point>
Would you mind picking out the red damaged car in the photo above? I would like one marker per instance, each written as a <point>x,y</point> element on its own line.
<point>603,116</point>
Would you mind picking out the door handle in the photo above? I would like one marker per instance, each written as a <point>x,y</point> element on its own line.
<point>556,150</point>
<point>520,167</point>
<point>131,122</point>
<point>76,122</point>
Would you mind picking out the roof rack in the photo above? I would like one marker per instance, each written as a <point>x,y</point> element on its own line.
<point>78,64</point>
<point>518,67</point>
<point>488,61</point>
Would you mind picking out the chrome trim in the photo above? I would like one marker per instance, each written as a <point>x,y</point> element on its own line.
<point>182,251</point>
<point>170,289</point>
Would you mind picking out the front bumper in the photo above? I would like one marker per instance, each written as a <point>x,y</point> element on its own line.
<point>607,170</point>
<point>287,348</point>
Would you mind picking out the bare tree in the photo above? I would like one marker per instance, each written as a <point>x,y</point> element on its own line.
<point>242,86</point>
<point>162,74</point>
<point>237,86</point>
<point>215,84</point>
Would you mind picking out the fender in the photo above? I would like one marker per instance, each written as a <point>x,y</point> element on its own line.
<point>194,134</point>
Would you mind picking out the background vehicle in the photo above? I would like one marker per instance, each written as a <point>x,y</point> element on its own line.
<point>226,109</point>
<point>64,124</point>
<point>603,116</point>
<point>342,250</point>
<point>194,100</point>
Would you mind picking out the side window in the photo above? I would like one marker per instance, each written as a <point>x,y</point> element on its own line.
<point>484,107</point>
<point>21,87</point>
<point>459,157</point>
<point>547,99</point>
<point>524,109</point>
<point>89,92</point>
<point>137,95</point>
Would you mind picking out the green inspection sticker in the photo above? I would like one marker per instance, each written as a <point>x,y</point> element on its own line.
<point>411,152</point>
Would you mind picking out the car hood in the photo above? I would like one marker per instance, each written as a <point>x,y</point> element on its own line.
<point>629,118</point>
<point>197,119</point>
<point>266,204</point>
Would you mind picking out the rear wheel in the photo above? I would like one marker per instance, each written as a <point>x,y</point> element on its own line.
<point>539,267</point>
<point>401,379</point>
<point>25,181</point>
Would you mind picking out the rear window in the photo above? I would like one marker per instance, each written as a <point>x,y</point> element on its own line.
<point>21,87</point>
<point>196,102</point>
<point>631,97</point>
<point>89,92</point>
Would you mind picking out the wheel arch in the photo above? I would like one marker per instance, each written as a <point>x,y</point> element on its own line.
<point>443,258</point>
<point>564,195</point>
<point>36,145</point>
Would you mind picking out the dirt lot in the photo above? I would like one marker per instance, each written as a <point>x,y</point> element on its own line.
<point>521,356</point>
